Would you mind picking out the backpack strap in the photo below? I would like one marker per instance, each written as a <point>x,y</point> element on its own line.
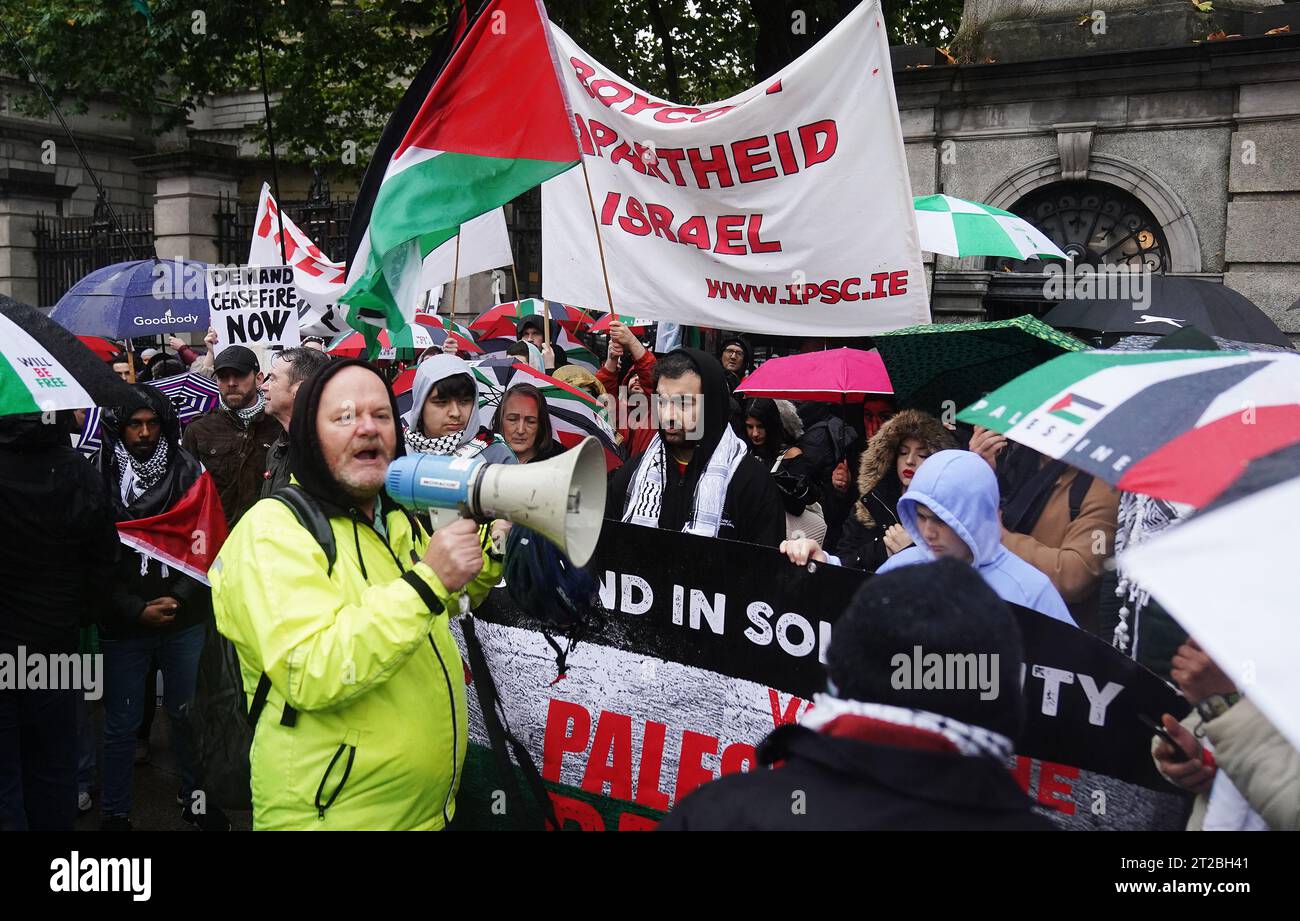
<point>1078,490</point>
<point>311,517</point>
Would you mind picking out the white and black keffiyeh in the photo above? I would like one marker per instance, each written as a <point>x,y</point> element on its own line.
<point>142,474</point>
<point>248,413</point>
<point>427,444</point>
<point>968,739</point>
<point>645,493</point>
<point>1139,518</point>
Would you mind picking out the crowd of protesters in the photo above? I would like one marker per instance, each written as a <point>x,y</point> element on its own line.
<point>336,599</point>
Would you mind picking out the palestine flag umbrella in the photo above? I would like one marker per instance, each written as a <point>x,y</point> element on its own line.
<point>956,227</point>
<point>951,365</point>
<point>575,414</point>
<point>1168,304</point>
<point>467,137</point>
<point>407,344</point>
<point>503,319</point>
<point>463,337</point>
<point>192,395</point>
<point>44,368</point>
<point>1229,579</point>
<point>638,325</point>
<point>1179,426</point>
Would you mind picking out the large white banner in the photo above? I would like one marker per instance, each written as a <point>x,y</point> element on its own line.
<point>484,245</point>
<point>786,209</point>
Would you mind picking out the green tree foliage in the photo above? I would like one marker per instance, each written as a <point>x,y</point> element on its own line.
<point>338,68</point>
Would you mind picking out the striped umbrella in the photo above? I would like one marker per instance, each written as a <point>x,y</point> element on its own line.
<point>461,334</point>
<point>575,414</point>
<point>956,227</point>
<point>192,395</point>
<point>503,319</point>
<point>1175,425</point>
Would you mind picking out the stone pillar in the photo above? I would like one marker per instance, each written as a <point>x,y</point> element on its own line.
<point>23,195</point>
<point>190,180</point>
<point>1262,249</point>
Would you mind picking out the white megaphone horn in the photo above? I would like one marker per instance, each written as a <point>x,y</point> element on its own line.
<point>563,498</point>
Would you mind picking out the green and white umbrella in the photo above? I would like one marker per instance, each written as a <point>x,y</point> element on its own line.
<point>45,368</point>
<point>956,227</point>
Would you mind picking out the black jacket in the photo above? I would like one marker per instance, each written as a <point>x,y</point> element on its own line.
<point>862,546</point>
<point>58,541</point>
<point>276,475</point>
<point>139,579</point>
<point>752,511</point>
<point>234,452</point>
<point>848,785</point>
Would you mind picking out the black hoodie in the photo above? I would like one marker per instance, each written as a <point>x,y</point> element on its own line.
<point>139,580</point>
<point>58,543</point>
<point>752,511</point>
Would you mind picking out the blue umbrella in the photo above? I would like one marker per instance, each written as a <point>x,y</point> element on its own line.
<point>131,299</point>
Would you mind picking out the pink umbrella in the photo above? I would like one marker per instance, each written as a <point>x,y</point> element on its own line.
<point>834,376</point>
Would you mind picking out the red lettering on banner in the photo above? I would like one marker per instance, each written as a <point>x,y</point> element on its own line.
<point>630,821</point>
<point>661,219</point>
<point>831,291</point>
<point>755,244</point>
<point>712,113</point>
<point>650,161</point>
<point>624,152</point>
<point>641,103</point>
<point>785,153</point>
<point>652,758</point>
<point>879,280</point>
<point>264,228</point>
<point>897,283</point>
<point>602,135</point>
<point>662,114</point>
<point>584,72</point>
<point>306,265</point>
<point>610,761</point>
<point>738,757</point>
<point>716,165</point>
<point>607,210</point>
<point>844,289</point>
<point>1020,773</point>
<point>584,815</point>
<point>557,740</point>
<point>729,235</point>
<point>695,232</point>
<point>621,93</point>
<point>635,223</point>
<point>814,153</point>
<point>791,712</point>
<point>750,155</point>
<point>673,157</point>
<point>584,137</point>
<point>1056,778</point>
<point>691,771</point>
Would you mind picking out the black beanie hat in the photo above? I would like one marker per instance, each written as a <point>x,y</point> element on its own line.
<point>306,461</point>
<point>943,607</point>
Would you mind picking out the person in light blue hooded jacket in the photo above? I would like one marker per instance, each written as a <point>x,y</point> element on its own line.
<point>951,509</point>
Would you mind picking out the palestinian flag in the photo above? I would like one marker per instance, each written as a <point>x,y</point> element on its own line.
<point>494,124</point>
<point>187,536</point>
<point>1175,425</point>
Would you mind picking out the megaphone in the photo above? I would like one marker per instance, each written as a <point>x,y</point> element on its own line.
<point>563,498</point>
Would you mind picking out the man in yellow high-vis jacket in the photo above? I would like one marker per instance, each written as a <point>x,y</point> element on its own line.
<point>362,693</point>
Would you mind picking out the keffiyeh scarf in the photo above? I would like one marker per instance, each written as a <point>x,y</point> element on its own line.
<point>859,719</point>
<point>247,414</point>
<point>147,473</point>
<point>427,444</point>
<point>645,494</point>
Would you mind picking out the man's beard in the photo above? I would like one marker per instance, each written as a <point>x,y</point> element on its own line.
<point>238,399</point>
<point>142,450</point>
<point>358,491</point>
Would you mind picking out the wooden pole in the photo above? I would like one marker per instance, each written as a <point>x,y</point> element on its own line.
<point>515,276</point>
<point>609,298</point>
<point>455,274</point>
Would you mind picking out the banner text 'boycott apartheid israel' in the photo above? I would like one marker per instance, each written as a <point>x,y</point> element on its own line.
<point>786,209</point>
<point>707,645</point>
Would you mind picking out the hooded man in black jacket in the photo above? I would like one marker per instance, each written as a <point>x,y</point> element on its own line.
<point>58,547</point>
<point>697,475</point>
<point>157,611</point>
<point>877,752</point>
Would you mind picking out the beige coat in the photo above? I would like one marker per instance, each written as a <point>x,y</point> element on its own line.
<point>1072,553</point>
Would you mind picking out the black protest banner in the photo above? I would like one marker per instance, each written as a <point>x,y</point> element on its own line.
<point>707,645</point>
<point>253,306</point>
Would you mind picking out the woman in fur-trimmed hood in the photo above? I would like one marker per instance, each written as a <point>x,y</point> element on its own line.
<point>873,532</point>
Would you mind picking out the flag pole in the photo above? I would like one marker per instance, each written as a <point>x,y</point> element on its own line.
<point>514,275</point>
<point>599,243</point>
<point>455,274</point>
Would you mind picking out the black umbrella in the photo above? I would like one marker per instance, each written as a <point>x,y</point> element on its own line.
<point>97,377</point>
<point>1175,303</point>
